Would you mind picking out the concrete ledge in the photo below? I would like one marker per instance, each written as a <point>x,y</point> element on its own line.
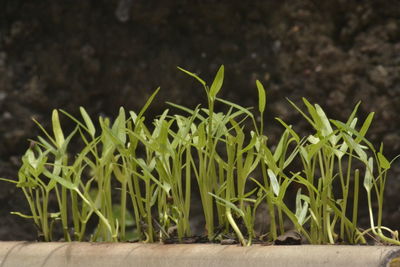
<point>19,254</point>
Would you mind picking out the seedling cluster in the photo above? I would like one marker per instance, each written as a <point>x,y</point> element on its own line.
<point>136,180</point>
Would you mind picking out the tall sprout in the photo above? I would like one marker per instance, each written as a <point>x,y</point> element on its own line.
<point>207,174</point>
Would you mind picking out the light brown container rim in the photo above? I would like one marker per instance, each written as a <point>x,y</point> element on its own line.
<point>33,254</point>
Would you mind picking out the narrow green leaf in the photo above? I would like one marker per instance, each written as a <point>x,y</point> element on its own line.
<point>352,131</point>
<point>268,157</point>
<point>353,113</point>
<point>147,174</point>
<point>383,162</point>
<point>302,113</point>
<point>22,215</point>
<point>155,191</point>
<point>326,125</point>
<point>119,128</point>
<point>80,124</point>
<point>314,217</point>
<point>228,204</point>
<point>45,132</point>
<point>118,173</point>
<point>9,180</point>
<point>133,116</point>
<point>356,147</point>
<point>242,109</point>
<point>289,128</point>
<point>369,174</point>
<point>148,102</point>
<point>281,145</point>
<point>88,121</point>
<point>343,147</point>
<point>304,181</point>
<point>299,198</point>
<point>261,96</point>
<point>274,182</point>
<point>200,136</point>
<point>46,144</point>
<point>217,83</point>
<point>291,157</point>
<point>311,109</point>
<point>251,144</point>
<point>68,139</point>
<point>62,181</point>
<point>32,160</point>
<point>193,75</point>
<point>301,210</point>
<point>342,150</point>
<point>365,126</point>
<point>262,187</point>
<point>353,124</point>
<point>58,133</point>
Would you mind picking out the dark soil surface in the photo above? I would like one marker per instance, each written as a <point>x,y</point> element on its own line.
<point>105,54</point>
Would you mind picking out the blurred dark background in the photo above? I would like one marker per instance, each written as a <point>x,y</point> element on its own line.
<point>102,54</point>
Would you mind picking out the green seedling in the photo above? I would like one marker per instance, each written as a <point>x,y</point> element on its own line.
<point>135,178</point>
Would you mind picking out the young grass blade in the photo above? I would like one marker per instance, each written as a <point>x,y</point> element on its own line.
<point>352,131</point>
<point>67,184</point>
<point>261,96</point>
<point>353,114</point>
<point>244,110</point>
<point>118,128</point>
<point>369,174</point>
<point>193,112</point>
<point>274,182</point>
<point>193,75</point>
<point>217,83</point>
<point>88,121</point>
<point>356,147</point>
<point>46,133</point>
<point>9,180</point>
<point>23,215</point>
<point>301,210</point>
<point>343,147</point>
<point>280,147</point>
<point>148,102</point>
<point>289,128</point>
<point>251,144</point>
<point>58,134</point>
<point>302,113</point>
<point>383,162</point>
<point>313,113</point>
<point>80,124</point>
<point>365,126</point>
<point>326,126</point>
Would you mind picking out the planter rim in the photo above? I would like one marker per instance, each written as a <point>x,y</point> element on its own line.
<point>78,254</point>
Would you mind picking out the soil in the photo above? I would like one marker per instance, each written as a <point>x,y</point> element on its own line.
<point>105,54</point>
